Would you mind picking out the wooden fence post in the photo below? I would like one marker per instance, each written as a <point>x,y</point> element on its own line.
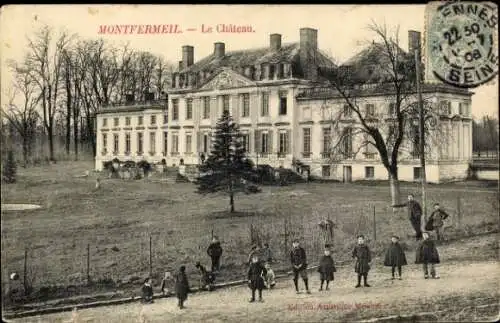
<point>25,274</point>
<point>459,213</point>
<point>374,225</point>
<point>150,256</point>
<point>88,263</point>
<point>286,236</point>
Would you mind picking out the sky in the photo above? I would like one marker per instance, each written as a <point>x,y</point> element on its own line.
<point>342,30</point>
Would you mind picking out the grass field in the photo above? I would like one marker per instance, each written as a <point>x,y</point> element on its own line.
<point>118,220</point>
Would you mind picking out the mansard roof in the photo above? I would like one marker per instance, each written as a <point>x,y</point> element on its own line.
<point>288,53</point>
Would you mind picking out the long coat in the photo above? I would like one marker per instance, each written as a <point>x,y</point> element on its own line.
<point>256,274</point>
<point>363,258</point>
<point>181,285</point>
<point>298,257</point>
<point>326,268</point>
<point>414,214</point>
<point>427,253</point>
<point>436,220</point>
<point>395,256</point>
<point>214,250</point>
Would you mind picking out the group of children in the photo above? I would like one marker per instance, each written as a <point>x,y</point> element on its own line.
<point>261,276</point>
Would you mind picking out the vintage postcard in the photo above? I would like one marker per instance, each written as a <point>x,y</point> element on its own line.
<point>270,163</point>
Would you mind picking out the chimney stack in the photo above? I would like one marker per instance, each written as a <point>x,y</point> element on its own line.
<point>308,52</point>
<point>414,42</point>
<point>219,50</point>
<point>188,55</point>
<point>275,41</point>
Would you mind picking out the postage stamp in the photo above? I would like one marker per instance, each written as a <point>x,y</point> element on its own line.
<point>461,43</point>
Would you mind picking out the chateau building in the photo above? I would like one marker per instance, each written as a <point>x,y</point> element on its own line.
<point>284,106</point>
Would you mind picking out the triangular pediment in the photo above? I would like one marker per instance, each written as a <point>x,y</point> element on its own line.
<point>226,79</point>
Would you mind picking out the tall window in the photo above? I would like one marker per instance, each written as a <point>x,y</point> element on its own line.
<point>165,118</point>
<point>127,121</point>
<point>283,148</point>
<point>283,107</point>
<point>116,122</point>
<point>104,142</point>
<point>347,143</point>
<point>115,143</point>
<point>370,110</point>
<point>246,142</point>
<point>417,173</point>
<point>127,143</point>
<point>104,122</point>
<point>206,142</point>
<point>189,141</point>
<point>306,140</point>
<point>152,142</point>
<point>206,107</point>
<point>175,109</point>
<point>153,120</point>
<point>369,172</point>
<point>325,170</point>
<point>140,141</point>
<point>140,120</point>
<point>265,104</point>
<point>189,109</point>
<point>225,103</point>
<point>246,105</point>
<point>264,144</point>
<point>461,108</point>
<point>392,109</point>
<point>327,137</point>
<point>175,144</point>
<point>347,111</point>
<point>165,143</point>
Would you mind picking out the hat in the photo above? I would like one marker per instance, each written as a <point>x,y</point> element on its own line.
<point>183,268</point>
<point>295,241</point>
<point>361,236</point>
<point>395,236</point>
<point>198,264</point>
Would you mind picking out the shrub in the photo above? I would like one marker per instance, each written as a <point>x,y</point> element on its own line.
<point>9,169</point>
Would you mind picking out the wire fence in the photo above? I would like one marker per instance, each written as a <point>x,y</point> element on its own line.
<point>105,264</point>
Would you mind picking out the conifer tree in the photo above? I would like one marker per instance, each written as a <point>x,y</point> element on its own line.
<point>227,167</point>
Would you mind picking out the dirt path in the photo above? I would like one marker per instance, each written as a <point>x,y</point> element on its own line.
<point>343,301</point>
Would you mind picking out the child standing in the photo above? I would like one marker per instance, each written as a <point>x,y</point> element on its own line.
<point>326,269</point>
<point>165,282</point>
<point>256,274</point>
<point>181,286</point>
<point>395,256</point>
<point>363,257</point>
<point>436,221</point>
<point>270,281</point>
<point>147,291</point>
<point>427,254</point>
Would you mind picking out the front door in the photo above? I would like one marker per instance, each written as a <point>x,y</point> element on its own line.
<point>347,174</point>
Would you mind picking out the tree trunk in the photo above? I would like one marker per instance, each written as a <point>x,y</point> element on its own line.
<point>90,134</point>
<point>394,185</point>
<point>231,201</point>
<point>50,134</point>
<point>75,134</point>
<point>25,150</point>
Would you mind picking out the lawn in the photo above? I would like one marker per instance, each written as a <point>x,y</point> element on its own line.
<point>117,222</point>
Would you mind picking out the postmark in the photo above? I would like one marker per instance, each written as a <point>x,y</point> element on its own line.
<point>461,45</point>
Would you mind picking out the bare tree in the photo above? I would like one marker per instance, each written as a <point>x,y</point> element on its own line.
<point>384,70</point>
<point>45,61</point>
<point>23,117</point>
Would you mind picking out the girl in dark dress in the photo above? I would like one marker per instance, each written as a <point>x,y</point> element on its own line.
<point>363,257</point>
<point>427,254</point>
<point>181,286</point>
<point>147,291</point>
<point>395,256</point>
<point>326,269</point>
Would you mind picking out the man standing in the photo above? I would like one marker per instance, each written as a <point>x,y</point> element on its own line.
<point>414,214</point>
<point>215,252</point>
<point>299,264</point>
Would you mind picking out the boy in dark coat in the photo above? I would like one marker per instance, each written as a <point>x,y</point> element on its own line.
<point>414,215</point>
<point>363,258</point>
<point>215,251</point>
<point>147,291</point>
<point>256,274</point>
<point>436,221</point>
<point>427,254</point>
<point>181,286</point>
<point>326,269</point>
<point>395,256</point>
<point>299,264</point>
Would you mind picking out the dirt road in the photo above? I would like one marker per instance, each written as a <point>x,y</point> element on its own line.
<point>342,302</point>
